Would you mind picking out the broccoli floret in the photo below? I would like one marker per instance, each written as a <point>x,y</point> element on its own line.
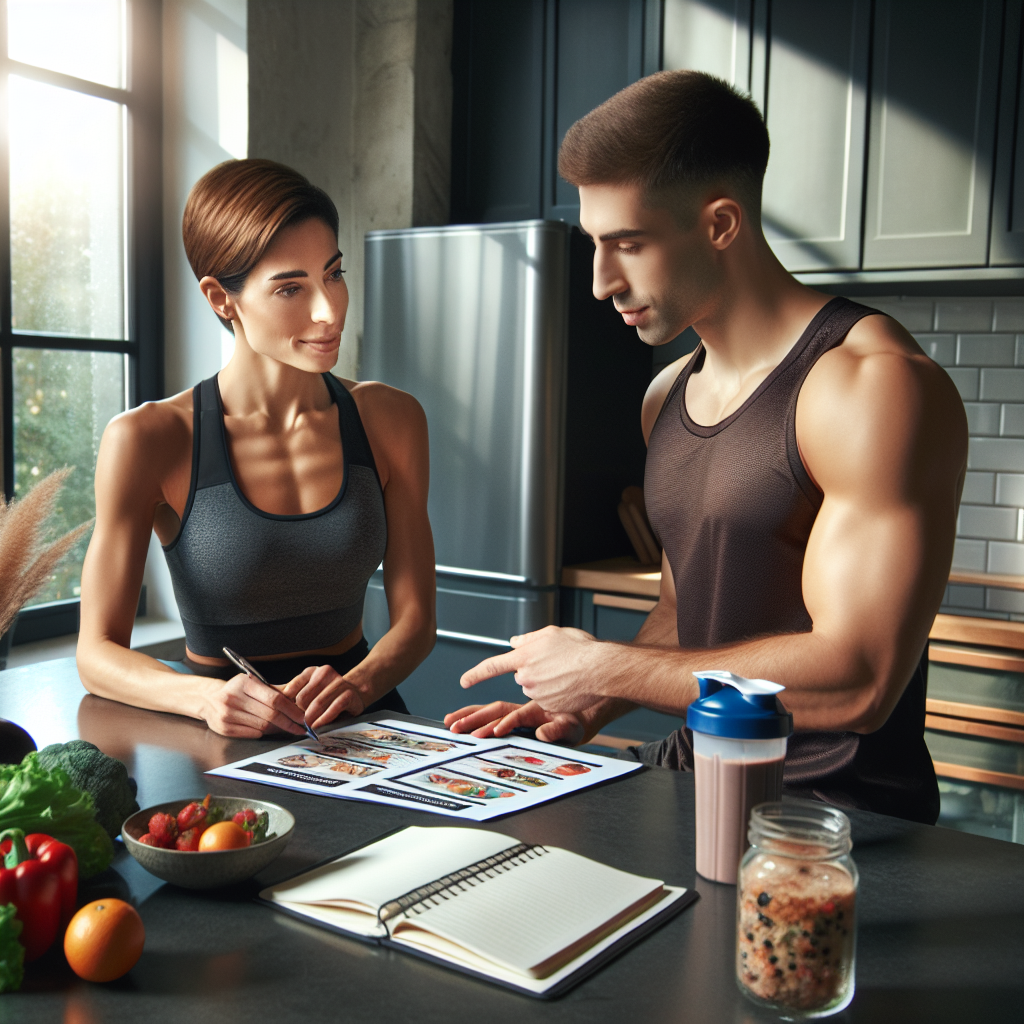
<point>105,778</point>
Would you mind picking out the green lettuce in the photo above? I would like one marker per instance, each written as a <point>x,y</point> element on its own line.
<point>37,799</point>
<point>12,953</point>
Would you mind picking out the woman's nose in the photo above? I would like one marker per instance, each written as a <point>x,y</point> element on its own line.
<point>329,308</point>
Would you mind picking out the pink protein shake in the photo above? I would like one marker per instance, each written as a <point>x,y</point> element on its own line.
<point>739,743</point>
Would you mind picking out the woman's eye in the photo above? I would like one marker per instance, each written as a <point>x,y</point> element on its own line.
<point>335,275</point>
<point>288,290</point>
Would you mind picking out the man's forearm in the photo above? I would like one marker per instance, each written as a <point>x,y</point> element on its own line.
<point>824,688</point>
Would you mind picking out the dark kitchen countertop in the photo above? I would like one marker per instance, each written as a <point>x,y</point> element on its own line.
<point>941,913</point>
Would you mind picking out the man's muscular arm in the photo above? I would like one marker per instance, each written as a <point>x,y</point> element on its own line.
<point>883,434</point>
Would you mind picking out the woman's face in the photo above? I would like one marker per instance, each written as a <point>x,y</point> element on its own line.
<point>293,305</point>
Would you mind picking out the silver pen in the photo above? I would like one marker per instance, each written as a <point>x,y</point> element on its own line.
<point>239,662</point>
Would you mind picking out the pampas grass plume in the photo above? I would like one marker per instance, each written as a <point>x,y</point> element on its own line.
<point>25,562</point>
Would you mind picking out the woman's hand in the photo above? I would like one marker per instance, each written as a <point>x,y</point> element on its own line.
<point>323,695</point>
<point>501,717</point>
<point>244,707</point>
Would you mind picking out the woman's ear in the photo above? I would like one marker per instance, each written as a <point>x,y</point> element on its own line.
<point>219,300</point>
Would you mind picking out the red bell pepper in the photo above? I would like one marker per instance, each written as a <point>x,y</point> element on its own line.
<point>64,861</point>
<point>34,886</point>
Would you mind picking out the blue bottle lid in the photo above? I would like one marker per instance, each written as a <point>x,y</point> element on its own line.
<point>738,708</point>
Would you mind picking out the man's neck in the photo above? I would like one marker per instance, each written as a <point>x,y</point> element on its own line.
<point>757,312</point>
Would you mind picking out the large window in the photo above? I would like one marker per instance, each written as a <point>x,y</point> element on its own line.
<point>80,336</point>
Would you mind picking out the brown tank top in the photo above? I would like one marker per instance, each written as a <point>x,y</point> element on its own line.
<point>733,507</point>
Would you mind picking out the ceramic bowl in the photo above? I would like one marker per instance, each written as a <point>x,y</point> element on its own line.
<point>216,867</point>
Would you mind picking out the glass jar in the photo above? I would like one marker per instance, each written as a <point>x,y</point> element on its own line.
<point>795,910</point>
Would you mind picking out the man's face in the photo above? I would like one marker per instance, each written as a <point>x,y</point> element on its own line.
<point>659,275</point>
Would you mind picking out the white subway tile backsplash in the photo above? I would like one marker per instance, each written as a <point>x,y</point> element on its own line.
<point>964,597</point>
<point>1005,454</point>
<point>940,347</point>
<point>1006,558</point>
<point>914,314</point>
<point>1002,385</point>
<point>963,315</point>
<point>966,381</point>
<point>984,522</point>
<point>985,350</point>
<point>1009,489</point>
<point>979,489</point>
<point>1011,423</point>
<point>1004,600</point>
<point>1009,315</point>
<point>970,555</point>
<point>983,418</point>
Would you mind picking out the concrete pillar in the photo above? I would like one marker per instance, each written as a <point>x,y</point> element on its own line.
<point>356,94</point>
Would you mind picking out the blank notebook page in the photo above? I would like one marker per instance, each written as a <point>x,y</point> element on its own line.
<point>525,915</point>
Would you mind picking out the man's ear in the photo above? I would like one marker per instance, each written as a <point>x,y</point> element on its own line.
<point>723,218</point>
<point>219,300</point>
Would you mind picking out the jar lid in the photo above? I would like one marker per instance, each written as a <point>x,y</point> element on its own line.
<point>738,708</point>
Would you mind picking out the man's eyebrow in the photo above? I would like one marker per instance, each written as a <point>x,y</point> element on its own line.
<point>624,233</point>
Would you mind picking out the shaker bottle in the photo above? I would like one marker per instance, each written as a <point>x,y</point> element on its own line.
<point>739,746</point>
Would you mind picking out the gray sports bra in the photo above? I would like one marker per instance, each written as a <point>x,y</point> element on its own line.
<point>273,584</point>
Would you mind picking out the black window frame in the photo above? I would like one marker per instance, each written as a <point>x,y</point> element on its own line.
<point>144,344</point>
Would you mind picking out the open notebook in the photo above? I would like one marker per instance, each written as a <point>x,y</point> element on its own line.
<point>534,918</point>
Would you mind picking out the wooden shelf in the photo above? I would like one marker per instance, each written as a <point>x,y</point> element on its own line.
<point>1003,581</point>
<point>948,770</point>
<point>616,575</point>
<point>976,712</point>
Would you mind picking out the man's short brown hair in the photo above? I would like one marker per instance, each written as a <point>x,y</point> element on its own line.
<point>675,134</point>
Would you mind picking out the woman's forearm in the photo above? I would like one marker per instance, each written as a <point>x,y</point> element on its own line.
<point>393,658</point>
<point>109,670</point>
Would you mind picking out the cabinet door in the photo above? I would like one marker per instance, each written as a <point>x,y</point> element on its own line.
<point>933,112</point>
<point>698,36</point>
<point>815,105</point>
<point>1008,202</point>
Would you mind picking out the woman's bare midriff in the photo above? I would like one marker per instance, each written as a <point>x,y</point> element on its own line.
<point>339,648</point>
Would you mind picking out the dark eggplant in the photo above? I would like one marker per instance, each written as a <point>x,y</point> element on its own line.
<point>15,743</point>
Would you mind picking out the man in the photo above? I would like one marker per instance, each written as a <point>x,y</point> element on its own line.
<point>803,474</point>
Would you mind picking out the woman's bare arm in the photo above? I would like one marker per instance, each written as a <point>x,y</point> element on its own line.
<point>135,469</point>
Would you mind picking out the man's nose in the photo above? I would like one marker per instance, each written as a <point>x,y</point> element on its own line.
<point>608,277</point>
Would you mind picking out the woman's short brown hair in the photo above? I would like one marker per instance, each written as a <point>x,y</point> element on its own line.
<point>235,211</point>
<point>673,132</point>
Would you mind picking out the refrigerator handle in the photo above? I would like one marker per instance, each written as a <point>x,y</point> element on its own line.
<point>472,638</point>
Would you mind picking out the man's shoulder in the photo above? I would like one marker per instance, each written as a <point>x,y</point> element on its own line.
<point>657,393</point>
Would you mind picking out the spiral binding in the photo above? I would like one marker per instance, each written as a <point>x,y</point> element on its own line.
<point>453,883</point>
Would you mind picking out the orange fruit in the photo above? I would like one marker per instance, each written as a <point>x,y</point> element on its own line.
<point>225,835</point>
<point>104,940</point>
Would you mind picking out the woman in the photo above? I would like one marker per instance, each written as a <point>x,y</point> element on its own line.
<point>275,488</point>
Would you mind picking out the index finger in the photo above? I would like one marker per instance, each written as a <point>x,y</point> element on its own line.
<point>273,699</point>
<point>476,715</point>
<point>491,667</point>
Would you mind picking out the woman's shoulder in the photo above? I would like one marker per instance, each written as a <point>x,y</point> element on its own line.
<point>152,425</point>
<point>375,400</point>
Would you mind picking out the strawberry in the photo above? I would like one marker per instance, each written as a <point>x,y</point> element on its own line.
<point>164,829</point>
<point>246,818</point>
<point>148,840</point>
<point>193,814</point>
<point>188,841</point>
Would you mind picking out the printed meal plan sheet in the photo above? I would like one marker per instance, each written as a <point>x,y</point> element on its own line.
<point>391,762</point>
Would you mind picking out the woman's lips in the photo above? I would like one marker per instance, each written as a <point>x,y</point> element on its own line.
<point>323,344</point>
<point>633,316</point>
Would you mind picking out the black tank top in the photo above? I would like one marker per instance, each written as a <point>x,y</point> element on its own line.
<point>273,584</point>
<point>733,506</point>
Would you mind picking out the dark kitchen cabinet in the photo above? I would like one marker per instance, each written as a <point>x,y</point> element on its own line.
<point>1008,201</point>
<point>933,117</point>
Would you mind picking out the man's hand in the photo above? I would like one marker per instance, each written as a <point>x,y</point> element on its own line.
<point>555,666</point>
<point>323,694</point>
<point>246,708</point>
<point>501,717</point>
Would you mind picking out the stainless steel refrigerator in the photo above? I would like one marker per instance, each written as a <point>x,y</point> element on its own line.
<point>532,394</point>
